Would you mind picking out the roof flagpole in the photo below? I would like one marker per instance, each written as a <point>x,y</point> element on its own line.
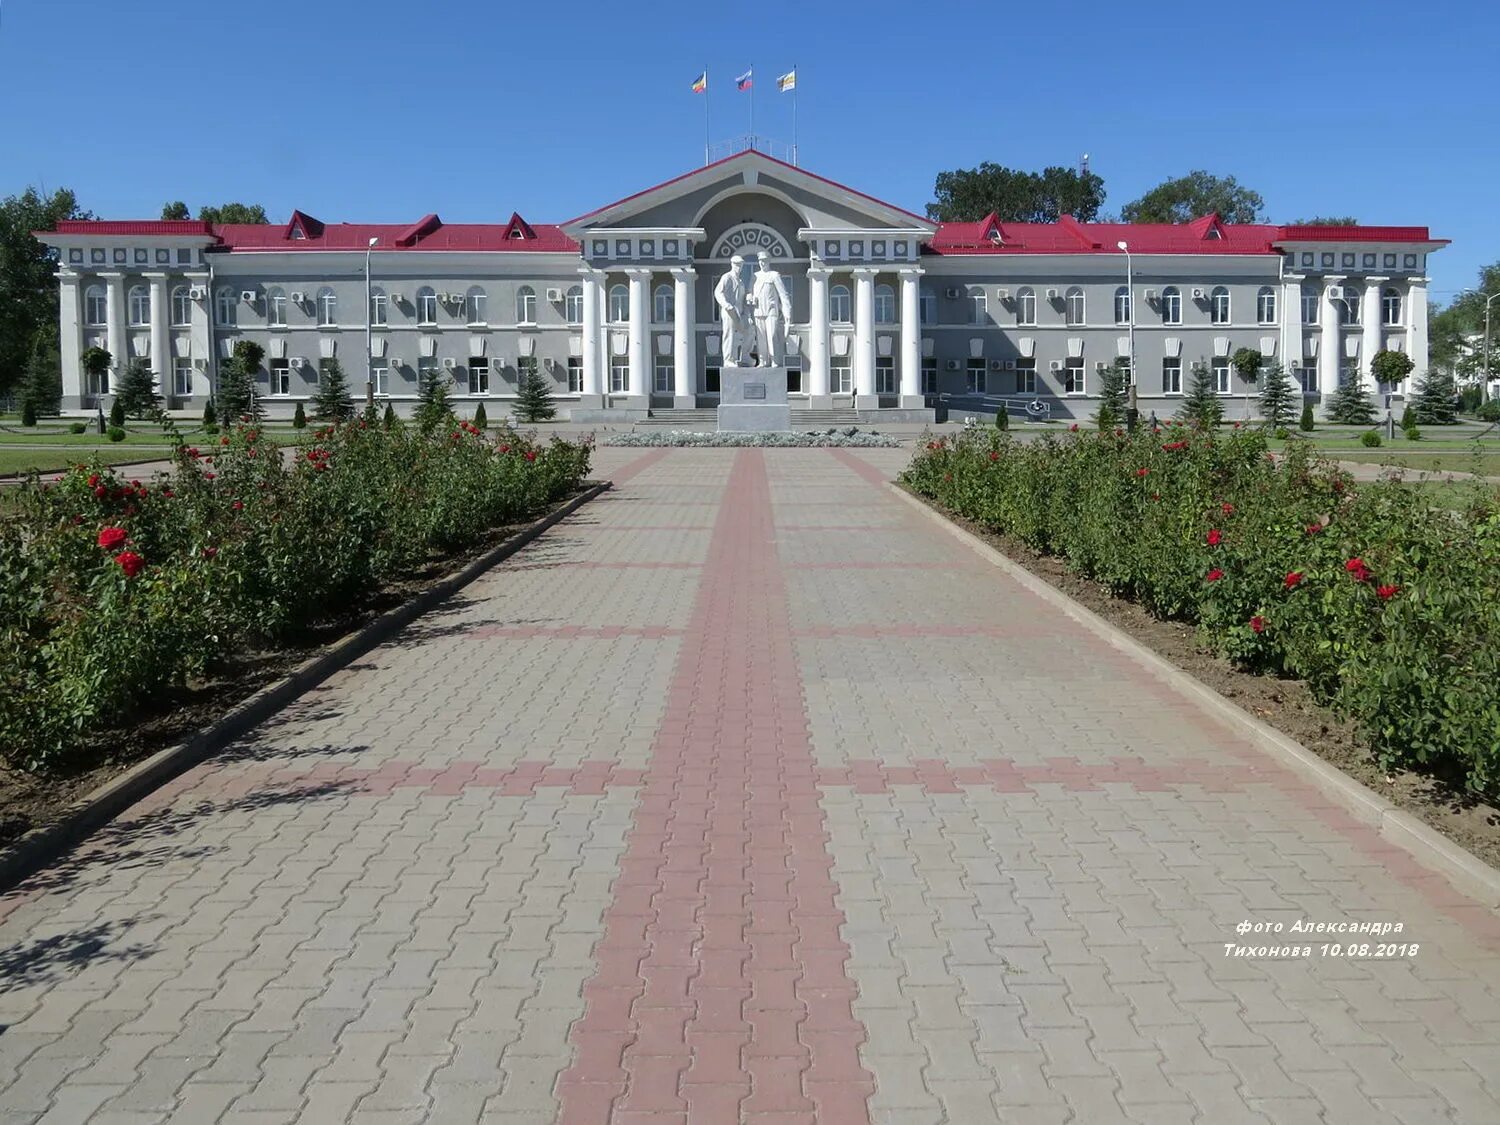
<point>705,117</point>
<point>794,114</point>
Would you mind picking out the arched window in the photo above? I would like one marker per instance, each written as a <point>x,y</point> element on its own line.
<point>426,305</point>
<point>226,305</point>
<point>1171,305</point>
<point>1265,305</point>
<point>1074,306</point>
<point>1218,305</point>
<point>885,305</point>
<point>1122,305</point>
<point>140,306</point>
<point>328,307</point>
<point>1390,307</point>
<point>573,305</point>
<point>662,304</point>
<point>182,306</point>
<point>475,301</point>
<point>838,304</point>
<point>95,306</point>
<point>1026,306</point>
<point>1349,306</point>
<point>276,308</point>
<point>526,305</point>
<point>619,303</point>
<point>379,307</point>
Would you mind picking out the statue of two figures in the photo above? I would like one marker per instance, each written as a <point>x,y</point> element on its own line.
<point>753,319</point>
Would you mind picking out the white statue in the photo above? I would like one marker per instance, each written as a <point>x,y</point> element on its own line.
<point>730,296</point>
<point>773,312</point>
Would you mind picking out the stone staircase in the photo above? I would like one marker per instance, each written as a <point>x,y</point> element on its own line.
<point>705,420</point>
<point>822,419</point>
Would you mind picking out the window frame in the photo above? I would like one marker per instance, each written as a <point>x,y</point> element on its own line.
<point>92,294</point>
<point>663,365</point>
<point>1123,304</point>
<point>328,308</point>
<point>885,375</point>
<point>1266,305</point>
<point>526,306</point>
<point>1390,298</point>
<point>1223,375</point>
<point>379,308</point>
<point>977,376</point>
<point>617,301</point>
<point>426,303</point>
<point>1079,317</point>
<point>575,374</point>
<point>840,300</point>
<point>663,304</point>
<point>276,308</point>
<point>929,375</point>
<point>1171,305</point>
<point>573,305</point>
<point>380,376</point>
<point>281,376</point>
<point>1312,301</point>
<point>1220,307</point>
<point>927,307</point>
<point>181,307</point>
<point>479,375</point>
<point>885,304</point>
<point>841,374</point>
<point>619,375</point>
<point>1026,307</point>
<point>476,305</point>
<point>182,388</point>
<point>979,309</point>
<point>138,297</point>
<point>1026,376</point>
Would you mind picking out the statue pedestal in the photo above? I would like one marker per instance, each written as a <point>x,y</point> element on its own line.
<point>753,400</point>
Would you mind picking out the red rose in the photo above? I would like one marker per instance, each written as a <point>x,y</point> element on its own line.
<point>112,538</point>
<point>1213,575</point>
<point>93,480</point>
<point>1293,578</point>
<point>1215,537</point>
<point>994,456</point>
<point>101,492</point>
<point>947,476</point>
<point>1141,472</point>
<point>209,552</point>
<point>237,506</point>
<point>130,562</point>
<point>224,440</point>
<point>531,455</point>
<point>505,449</point>
<point>1227,508</point>
<point>1314,528</point>
<point>208,476</point>
<point>1236,425</point>
<point>167,493</point>
<point>1257,624</point>
<point>1074,426</point>
<point>1387,592</point>
<point>1358,570</point>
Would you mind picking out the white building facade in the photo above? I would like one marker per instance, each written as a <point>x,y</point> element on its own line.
<point>891,312</point>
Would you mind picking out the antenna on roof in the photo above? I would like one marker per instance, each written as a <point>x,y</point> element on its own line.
<point>1083,165</point>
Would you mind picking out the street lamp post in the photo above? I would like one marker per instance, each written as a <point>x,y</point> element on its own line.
<point>1488,301</point>
<point>1130,298</point>
<point>369,332</point>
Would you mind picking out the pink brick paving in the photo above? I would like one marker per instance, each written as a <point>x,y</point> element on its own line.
<point>721,994</point>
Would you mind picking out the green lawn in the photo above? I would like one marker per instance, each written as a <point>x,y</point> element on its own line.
<point>1450,459</point>
<point>45,460</point>
<point>135,434</point>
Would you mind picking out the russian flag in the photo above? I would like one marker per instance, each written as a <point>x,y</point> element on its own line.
<point>743,81</point>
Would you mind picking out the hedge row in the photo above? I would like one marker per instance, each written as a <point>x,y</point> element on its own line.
<point>1385,602</point>
<point>111,590</point>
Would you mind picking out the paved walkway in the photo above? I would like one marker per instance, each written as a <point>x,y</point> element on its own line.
<point>746,795</point>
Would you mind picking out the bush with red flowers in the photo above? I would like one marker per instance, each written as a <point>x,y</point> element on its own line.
<point>1385,601</point>
<point>112,590</point>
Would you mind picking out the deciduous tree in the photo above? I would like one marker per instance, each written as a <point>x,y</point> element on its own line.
<point>177,209</point>
<point>234,213</point>
<point>28,274</point>
<point>1015,196</point>
<point>1192,196</point>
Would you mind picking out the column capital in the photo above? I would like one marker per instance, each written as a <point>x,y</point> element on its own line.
<point>684,272</point>
<point>112,275</point>
<point>911,271</point>
<point>819,271</point>
<point>863,272</point>
<point>1373,279</point>
<point>155,275</point>
<point>637,272</point>
<point>592,272</point>
<point>1418,281</point>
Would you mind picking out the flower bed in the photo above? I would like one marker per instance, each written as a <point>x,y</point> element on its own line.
<point>846,438</point>
<point>1386,604</point>
<point>111,590</point>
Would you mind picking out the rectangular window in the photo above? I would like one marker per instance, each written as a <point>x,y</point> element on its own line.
<point>1221,374</point>
<point>479,375</point>
<point>663,375</point>
<point>377,310</point>
<point>619,375</point>
<point>794,375</point>
<point>281,377</point>
<point>182,378</point>
<point>929,375</point>
<point>1307,378</point>
<point>1026,376</point>
<point>1074,378</point>
<point>575,374</point>
<point>96,384</point>
<point>1310,306</point>
<point>927,308</point>
<point>526,367</point>
<point>885,375</point>
<point>427,370</point>
<point>840,375</point>
<point>979,312</point>
<point>976,377</point>
<point>711,385</point>
<point>1171,376</point>
<point>323,369</point>
<point>381,377</point>
<point>476,302</point>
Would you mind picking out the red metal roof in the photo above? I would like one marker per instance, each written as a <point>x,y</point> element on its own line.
<point>132,226</point>
<point>1206,235</point>
<point>429,233</point>
<point>1357,234</point>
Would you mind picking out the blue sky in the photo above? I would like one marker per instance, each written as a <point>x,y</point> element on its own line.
<point>379,110</point>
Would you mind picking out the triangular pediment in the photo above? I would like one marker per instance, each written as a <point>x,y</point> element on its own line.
<point>681,202</point>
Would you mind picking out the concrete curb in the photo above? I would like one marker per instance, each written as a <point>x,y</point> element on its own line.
<point>42,844</point>
<point>1467,872</point>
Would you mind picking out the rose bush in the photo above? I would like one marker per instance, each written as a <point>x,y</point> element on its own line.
<point>1384,601</point>
<point>113,589</point>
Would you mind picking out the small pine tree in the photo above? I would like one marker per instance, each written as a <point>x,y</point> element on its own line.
<point>1201,407</point>
<point>117,415</point>
<point>1278,398</point>
<point>41,384</point>
<point>1112,395</point>
<point>1307,425</point>
<point>299,418</point>
<point>237,382</point>
<point>1002,418</point>
<point>389,421</point>
<point>479,418</point>
<point>534,397</point>
<point>1434,402</point>
<point>432,400</point>
<point>136,395</point>
<point>28,413</point>
<point>1349,405</point>
<point>210,416</point>
<point>332,403</point>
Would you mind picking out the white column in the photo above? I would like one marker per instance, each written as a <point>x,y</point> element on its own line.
<point>911,338</point>
<point>1416,332</point>
<point>114,297</point>
<point>70,339</point>
<point>200,339</point>
<point>161,359</point>
<point>815,370</point>
<point>640,334</point>
<point>1369,323</point>
<point>1329,342</point>
<point>864,336</point>
<point>593,354</point>
<point>1291,325</point>
<point>684,337</point>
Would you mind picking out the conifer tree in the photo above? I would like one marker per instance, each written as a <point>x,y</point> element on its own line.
<point>333,403</point>
<point>117,414</point>
<point>237,383</point>
<point>210,416</point>
<point>534,397</point>
<point>41,384</point>
<point>1349,405</point>
<point>432,399</point>
<point>1112,395</point>
<point>299,418</point>
<point>136,394</point>
<point>1307,425</point>
<point>1278,398</point>
<point>1201,408</point>
<point>1433,405</point>
<point>479,417</point>
<point>389,421</point>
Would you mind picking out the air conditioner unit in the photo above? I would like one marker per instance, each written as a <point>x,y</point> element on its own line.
<point>1052,294</point>
<point>393,362</point>
<point>1002,294</point>
<point>997,365</point>
<point>555,296</point>
<point>248,296</point>
<point>195,293</point>
<point>450,364</point>
<point>1335,292</point>
<point>297,363</point>
<point>1199,295</point>
<point>455,298</point>
<point>1100,365</point>
<point>953,292</point>
<point>953,365</point>
<point>1010,365</point>
<point>1151,295</point>
<point>1055,365</point>
<point>297,298</point>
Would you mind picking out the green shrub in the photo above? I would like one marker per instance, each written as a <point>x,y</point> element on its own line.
<point>1002,419</point>
<point>1306,424</point>
<point>77,427</point>
<point>299,418</point>
<point>28,413</point>
<point>211,428</point>
<point>117,413</point>
<point>479,418</point>
<point>1369,439</point>
<point>1488,411</point>
<point>1375,595</point>
<point>389,419</point>
<point>250,550</point>
<point>209,416</point>
<point>116,433</point>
